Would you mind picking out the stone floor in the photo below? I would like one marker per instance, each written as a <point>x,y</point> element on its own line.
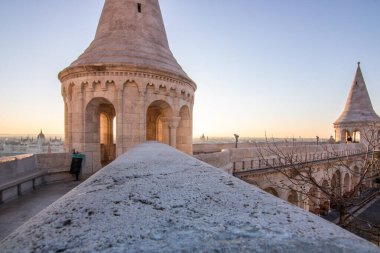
<point>15,213</point>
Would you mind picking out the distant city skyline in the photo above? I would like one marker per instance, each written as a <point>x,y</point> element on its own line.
<point>283,68</point>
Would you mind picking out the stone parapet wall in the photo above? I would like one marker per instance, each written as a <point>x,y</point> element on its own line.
<point>251,153</point>
<point>19,171</point>
<point>156,199</point>
<point>221,160</point>
<point>14,166</point>
<point>56,166</point>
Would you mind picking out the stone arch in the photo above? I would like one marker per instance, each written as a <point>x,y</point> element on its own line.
<point>314,200</point>
<point>356,175</point>
<point>356,136</point>
<point>293,197</point>
<point>346,135</point>
<point>184,130</point>
<point>347,183</point>
<point>336,186</point>
<point>272,191</point>
<point>157,127</point>
<point>324,202</point>
<point>150,88</point>
<point>99,130</point>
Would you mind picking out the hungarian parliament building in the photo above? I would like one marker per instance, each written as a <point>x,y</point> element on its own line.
<point>29,145</point>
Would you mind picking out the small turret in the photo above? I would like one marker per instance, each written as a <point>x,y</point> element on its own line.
<point>358,112</point>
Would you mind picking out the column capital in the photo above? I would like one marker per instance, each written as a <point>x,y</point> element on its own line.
<point>171,122</point>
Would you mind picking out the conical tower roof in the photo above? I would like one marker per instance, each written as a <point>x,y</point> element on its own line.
<point>358,106</point>
<point>131,32</point>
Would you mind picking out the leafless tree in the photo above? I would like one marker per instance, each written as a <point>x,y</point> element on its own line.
<point>321,174</point>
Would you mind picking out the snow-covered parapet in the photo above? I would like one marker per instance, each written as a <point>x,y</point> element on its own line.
<point>156,199</point>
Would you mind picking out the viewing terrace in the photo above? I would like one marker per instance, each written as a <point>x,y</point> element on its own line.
<point>157,199</point>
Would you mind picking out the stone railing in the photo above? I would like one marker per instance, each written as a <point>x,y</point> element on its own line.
<point>22,173</point>
<point>157,199</point>
<point>296,159</point>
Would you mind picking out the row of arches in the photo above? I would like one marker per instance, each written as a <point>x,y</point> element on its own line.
<point>351,136</point>
<point>162,124</point>
<point>110,86</point>
<point>318,199</point>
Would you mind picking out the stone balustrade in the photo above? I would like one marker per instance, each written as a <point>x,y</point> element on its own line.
<point>157,199</point>
<point>257,157</point>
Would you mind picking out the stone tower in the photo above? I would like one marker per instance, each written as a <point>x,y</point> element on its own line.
<point>127,87</point>
<point>358,113</point>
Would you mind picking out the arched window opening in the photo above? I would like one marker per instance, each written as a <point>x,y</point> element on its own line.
<point>159,133</point>
<point>347,136</point>
<point>324,202</point>
<point>335,184</point>
<point>356,136</point>
<point>314,200</point>
<point>157,116</point>
<point>347,183</point>
<point>100,131</point>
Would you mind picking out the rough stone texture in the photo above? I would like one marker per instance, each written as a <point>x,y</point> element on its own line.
<point>358,106</point>
<point>126,36</point>
<point>156,199</point>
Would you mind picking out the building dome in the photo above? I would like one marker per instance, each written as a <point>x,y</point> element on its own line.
<point>41,136</point>
<point>41,139</point>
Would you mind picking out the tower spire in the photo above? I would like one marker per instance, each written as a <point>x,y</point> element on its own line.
<point>131,32</point>
<point>358,106</point>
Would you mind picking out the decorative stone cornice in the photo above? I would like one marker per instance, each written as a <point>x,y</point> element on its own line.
<point>356,124</point>
<point>124,70</point>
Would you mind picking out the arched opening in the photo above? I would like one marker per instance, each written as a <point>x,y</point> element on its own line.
<point>324,202</point>
<point>356,136</point>
<point>356,178</point>
<point>346,136</point>
<point>272,191</point>
<point>336,185</point>
<point>293,197</point>
<point>313,200</point>
<point>184,131</point>
<point>99,130</point>
<point>157,128</point>
<point>347,183</point>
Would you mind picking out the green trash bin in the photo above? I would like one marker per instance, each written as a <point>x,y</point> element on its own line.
<point>76,164</point>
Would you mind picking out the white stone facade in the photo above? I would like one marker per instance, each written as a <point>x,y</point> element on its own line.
<point>127,73</point>
<point>358,120</point>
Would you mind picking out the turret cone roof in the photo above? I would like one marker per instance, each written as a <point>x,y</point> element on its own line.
<point>131,33</point>
<point>358,106</point>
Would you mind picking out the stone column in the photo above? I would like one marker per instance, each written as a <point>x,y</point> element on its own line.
<point>174,122</point>
<point>119,120</point>
<point>68,122</point>
<point>77,126</point>
<point>166,130</point>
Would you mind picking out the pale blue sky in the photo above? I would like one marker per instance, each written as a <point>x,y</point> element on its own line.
<point>284,67</point>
